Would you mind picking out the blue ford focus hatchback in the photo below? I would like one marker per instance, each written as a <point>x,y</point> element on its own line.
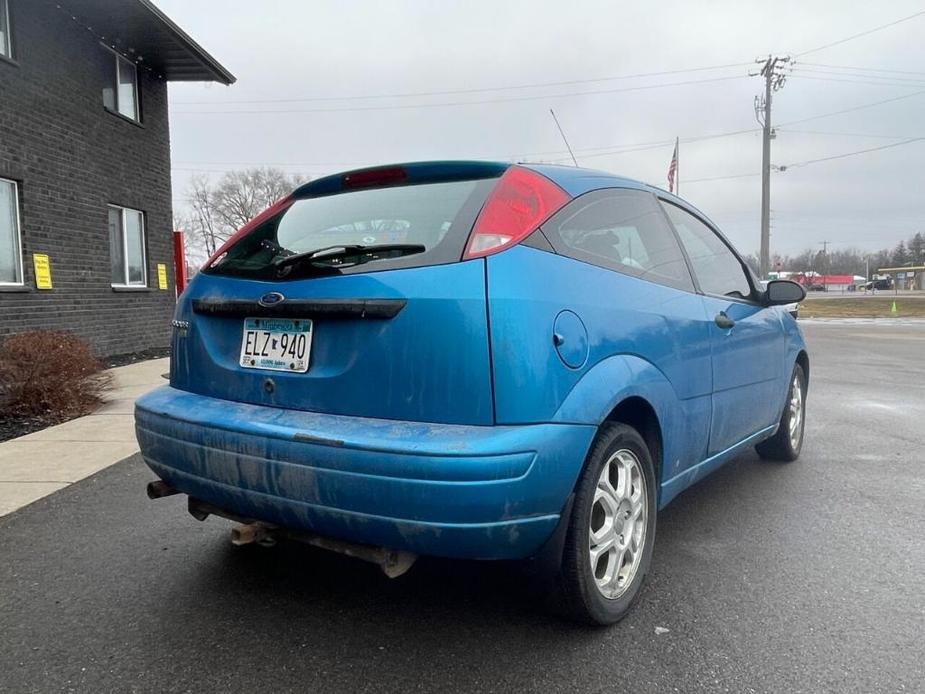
<point>473,360</point>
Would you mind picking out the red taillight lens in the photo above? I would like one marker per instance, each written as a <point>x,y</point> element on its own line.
<point>521,201</point>
<point>273,209</point>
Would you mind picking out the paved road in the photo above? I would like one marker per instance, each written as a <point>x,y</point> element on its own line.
<point>807,577</point>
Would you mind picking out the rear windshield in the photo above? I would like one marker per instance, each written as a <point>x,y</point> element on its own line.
<point>437,216</point>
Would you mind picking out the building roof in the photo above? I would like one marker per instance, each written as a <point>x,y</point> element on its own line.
<point>826,279</point>
<point>907,268</point>
<point>141,31</point>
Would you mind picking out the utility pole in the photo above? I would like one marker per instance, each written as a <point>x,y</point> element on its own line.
<point>825,265</point>
<point>772,69</point>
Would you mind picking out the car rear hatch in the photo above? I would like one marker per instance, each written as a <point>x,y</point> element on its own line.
<point>388,321</point>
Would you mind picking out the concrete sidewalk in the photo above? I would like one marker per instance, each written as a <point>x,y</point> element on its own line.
<point>43,462</point>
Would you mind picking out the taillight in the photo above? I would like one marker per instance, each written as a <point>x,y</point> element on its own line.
<point>272,210</point>
<point>374,178</point>
<point>522,200</point>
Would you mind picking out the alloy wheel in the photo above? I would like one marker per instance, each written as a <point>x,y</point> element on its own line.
<point>618,523</point>
<point>796,412</point>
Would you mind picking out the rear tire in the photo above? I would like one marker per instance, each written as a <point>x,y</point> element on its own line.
<point>611,532</point>
<point>786,444</point>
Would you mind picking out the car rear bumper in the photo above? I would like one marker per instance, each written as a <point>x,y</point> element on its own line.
<point>446,490</point>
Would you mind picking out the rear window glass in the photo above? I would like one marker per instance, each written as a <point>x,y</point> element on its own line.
<point>437,216</point>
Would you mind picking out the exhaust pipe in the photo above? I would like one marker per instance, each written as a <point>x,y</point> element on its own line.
<point>248,533</point>
<point>159,489</point>
<point>393,562</point>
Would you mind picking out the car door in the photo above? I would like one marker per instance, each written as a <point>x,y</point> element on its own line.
<point>747,339</point>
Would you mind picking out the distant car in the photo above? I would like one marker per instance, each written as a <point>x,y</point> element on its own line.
<point>816,288</point>
<point>474,360</point>
<point>879,284</point>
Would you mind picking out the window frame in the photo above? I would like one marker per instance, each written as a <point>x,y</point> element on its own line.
<point>6,51</point>
<point>136,93</point>
<point>127,283</point>
<point>753,299</point>
<point>576,205</point>
<point>17,220</point>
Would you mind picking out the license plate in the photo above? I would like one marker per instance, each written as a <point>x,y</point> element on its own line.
<point>276,344</point>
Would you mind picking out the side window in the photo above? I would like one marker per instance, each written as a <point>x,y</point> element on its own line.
<point>10,253</point>
<point>6,44</point>
<point>622,230</point>
<point>717,268</point>
<point>127,247</point>
<point>120,91</point>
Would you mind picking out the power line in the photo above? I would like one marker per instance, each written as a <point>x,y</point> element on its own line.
<point>852,154</point>
<point>600,151</point>
<point>862,33</point>
<point>855,81</point>
<point>837,134</point>
<point>865,69</point>
<point>587,152</point>
<point>463,103</point>
<point>852,108</point>
<point>722,178</point>
<point>852,80</point>
<point>857,77</point>
<point>811,161</point>
<point>474,90</point>
<point>669,143</point>
<point>890,78</point>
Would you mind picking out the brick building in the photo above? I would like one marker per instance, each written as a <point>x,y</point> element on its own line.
<point>85,203</point>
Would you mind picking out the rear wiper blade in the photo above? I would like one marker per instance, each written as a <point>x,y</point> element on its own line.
<point>332,255</point>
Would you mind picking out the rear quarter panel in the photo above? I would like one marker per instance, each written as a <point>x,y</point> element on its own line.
<point>643,339</point>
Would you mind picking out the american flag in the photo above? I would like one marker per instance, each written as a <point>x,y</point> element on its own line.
<point>673,168</point>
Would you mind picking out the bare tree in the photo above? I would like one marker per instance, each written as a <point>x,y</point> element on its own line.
<point>215,211</point>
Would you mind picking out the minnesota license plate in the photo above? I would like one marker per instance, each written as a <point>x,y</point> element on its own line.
<point>276,344</point>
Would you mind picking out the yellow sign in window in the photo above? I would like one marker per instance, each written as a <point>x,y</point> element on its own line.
<point>42,271</point>
<point>161,276</point>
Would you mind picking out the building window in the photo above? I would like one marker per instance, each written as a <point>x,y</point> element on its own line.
<point>6,44</point>
<point>127,247</point>
<point>10,249</point>
<point>121,91</point>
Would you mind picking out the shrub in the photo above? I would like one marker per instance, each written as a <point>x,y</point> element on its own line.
<point>50,373</point>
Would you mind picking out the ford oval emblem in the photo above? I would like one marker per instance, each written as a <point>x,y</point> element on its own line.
<point>271,299</point>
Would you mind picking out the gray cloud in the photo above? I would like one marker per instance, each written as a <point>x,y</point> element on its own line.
<point>292,50</point>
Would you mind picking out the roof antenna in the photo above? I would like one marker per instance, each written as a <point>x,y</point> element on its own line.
<point>564,139</point>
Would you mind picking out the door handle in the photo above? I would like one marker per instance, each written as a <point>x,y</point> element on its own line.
<point>724,321</point>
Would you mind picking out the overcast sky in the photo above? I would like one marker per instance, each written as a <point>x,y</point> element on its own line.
<point>292,59</point>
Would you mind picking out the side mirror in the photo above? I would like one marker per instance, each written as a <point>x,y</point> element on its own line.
<point>780,292</point>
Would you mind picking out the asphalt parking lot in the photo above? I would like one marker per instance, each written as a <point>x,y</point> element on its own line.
<point>807,577</point>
